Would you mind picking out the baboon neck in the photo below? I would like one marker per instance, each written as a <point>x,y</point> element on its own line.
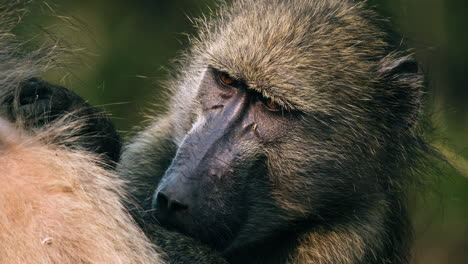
<point>381,230</point>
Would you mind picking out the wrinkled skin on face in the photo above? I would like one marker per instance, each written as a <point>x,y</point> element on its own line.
<point>220,161</point>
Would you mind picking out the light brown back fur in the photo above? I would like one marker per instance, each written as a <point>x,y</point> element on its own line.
<point>60,206</point>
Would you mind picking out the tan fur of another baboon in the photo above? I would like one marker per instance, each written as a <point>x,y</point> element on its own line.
<point>61,206</point>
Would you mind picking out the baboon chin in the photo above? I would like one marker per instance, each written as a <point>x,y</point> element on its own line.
<point>291,135</point>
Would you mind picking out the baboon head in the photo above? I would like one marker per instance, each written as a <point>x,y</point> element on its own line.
<point>285,115</point>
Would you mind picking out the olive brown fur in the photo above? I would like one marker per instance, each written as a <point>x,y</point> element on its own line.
<point>326,182</point>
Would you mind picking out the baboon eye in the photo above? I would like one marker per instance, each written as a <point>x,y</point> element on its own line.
<point>226,79</point>
<point>272,106</point>
<point>268,103</point>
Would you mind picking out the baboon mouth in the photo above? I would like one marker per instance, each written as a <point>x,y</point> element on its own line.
<point>213,236</point>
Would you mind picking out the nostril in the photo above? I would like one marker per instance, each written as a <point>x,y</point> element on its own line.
<point>176,206</point>
<point>169,211</point>
<point>161,201</point>
<point>164,202</point>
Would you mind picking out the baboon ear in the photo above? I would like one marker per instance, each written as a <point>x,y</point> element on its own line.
<point>402,93</point>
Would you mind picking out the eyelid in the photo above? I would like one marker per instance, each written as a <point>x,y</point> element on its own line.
<point>236,83</point>
<point>226,79</point>
<point>276,105</point>
<point>265,100</point>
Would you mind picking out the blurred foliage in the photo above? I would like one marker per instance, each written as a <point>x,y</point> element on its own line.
<point>121,50</point>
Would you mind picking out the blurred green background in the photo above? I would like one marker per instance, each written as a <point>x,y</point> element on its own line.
<point>120,51</point>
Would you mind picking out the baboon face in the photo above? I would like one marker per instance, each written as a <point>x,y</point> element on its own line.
<point>219,174</point>
<point>249,167</point>
<point>281,117</point>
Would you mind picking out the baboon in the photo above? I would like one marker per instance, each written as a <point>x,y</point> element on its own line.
<point>291,136</point>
